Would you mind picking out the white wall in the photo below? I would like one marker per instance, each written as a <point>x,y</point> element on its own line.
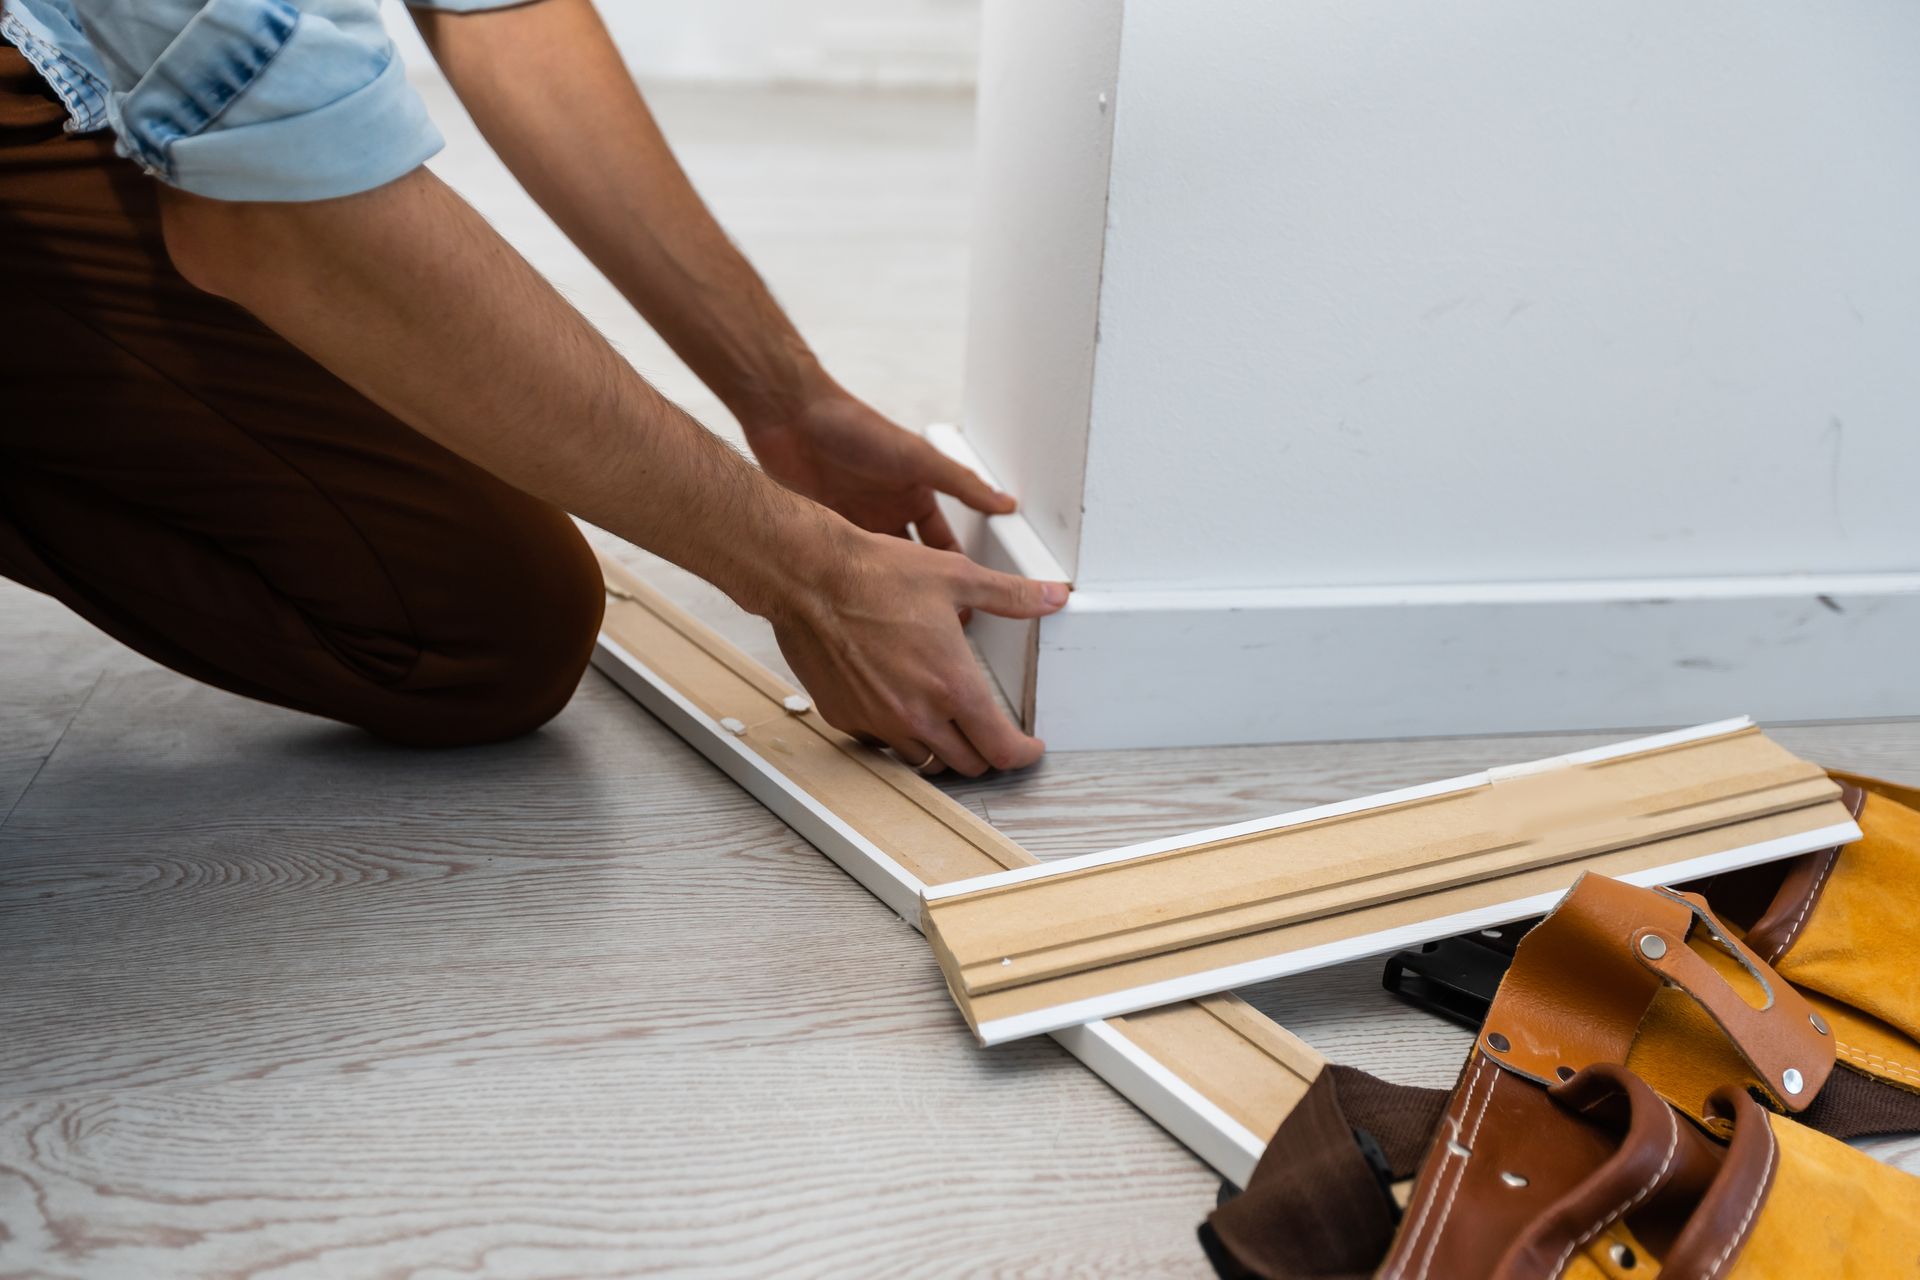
<point>1043,128</point>
<point>1499,290</point>
<point>843,43</point>
<point>1594,323</point>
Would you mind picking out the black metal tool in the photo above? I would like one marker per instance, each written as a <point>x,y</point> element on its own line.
<point>1456,977</point>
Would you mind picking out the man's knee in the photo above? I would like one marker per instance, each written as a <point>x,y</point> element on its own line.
<point>513,652</point>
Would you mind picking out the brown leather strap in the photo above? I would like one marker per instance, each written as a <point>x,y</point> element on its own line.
<point>1524,1178</point>
<point>1574,994</point>
<point>1504,1154</point>
<point>1788,1046</point>
<point>1780,924</point>
<point>1583,980</point>
<point>1659,1171</point>
<point>1724,1218</point>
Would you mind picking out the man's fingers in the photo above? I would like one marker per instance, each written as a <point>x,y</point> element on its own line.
<point>916,755</point>
<point>1011,596</point>
<point>955,751</point>
<point>997,739</point>
<point>935,532</point>
<point>950,477</point>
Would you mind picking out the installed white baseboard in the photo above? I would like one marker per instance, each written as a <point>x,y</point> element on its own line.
<point>1144,669</point>
<point>1156,668</point>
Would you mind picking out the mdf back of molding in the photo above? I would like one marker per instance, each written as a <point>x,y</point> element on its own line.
<point>1144,666</point>
<point>1030,949</point>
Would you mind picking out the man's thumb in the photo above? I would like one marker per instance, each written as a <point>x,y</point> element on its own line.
<point>1010,596</point>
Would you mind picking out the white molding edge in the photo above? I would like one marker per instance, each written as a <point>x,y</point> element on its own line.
<point>1202,1127</point>
<point>1145,666</point>
<point>1210,1133</point>
<point>1009,544</point>
<point>1339,809</point>
<point>1021,547</point>
<point>1385,941</point>
<point>859,857</point>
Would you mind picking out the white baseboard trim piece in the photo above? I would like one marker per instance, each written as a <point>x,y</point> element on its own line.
<point>1203,1128</point>
<point>1387,941</point>
<point>1200,1125</point>
<point>859,857</point>
<point>1009,544</point>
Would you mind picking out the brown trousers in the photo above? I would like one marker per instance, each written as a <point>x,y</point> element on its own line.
<point>186,480</point>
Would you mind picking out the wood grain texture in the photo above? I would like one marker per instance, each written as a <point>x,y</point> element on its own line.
<point>347,1010</point>
<point>568,1169</point>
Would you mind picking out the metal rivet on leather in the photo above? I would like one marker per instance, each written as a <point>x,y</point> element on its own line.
<point>1622,1256</point>
<point>1653,946</point>
<point>1790,1081</point>
<point>1497,1042</point>
<point>1819,1023</point>
<point>1514,1179</point>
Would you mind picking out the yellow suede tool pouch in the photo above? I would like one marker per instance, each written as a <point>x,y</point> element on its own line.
<point>1615,1118</point>
<point>1843,926</point>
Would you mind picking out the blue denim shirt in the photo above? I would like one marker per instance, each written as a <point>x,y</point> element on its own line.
<point>236,99</point>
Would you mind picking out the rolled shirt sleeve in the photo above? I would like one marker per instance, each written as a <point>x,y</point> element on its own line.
<point>260,99</point>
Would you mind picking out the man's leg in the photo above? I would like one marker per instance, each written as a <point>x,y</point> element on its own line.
<point>189,482</point>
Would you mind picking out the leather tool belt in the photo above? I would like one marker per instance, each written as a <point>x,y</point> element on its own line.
<point>1659,1088</point>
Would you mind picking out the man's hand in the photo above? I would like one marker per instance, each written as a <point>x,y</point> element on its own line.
<point>876,640</point>
<point>846,456</point>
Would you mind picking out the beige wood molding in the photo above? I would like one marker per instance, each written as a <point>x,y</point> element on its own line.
<point>1024,951</point>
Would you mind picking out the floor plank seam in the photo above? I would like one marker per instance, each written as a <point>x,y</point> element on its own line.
<point>85,698</point>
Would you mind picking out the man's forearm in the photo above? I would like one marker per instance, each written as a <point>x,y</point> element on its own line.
<point>407,294</point>
<point>573,128</point>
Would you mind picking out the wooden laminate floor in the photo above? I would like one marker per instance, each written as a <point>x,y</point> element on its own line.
<point>277,1001</point>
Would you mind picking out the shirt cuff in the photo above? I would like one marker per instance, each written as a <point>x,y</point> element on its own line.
<point>373,135</point>
<point>467,6</point>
